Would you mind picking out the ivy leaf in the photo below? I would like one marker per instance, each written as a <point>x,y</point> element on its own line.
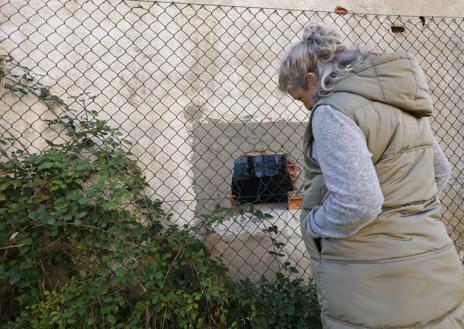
<point>44,93</point>
<point>49,142</point>
<point>111,319</point>
<point>278,254</point>
<point>46,165</point>
<point>15,277</point>
<point>105,310</point>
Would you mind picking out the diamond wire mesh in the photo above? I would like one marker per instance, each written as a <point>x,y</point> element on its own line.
<point>195,87</point>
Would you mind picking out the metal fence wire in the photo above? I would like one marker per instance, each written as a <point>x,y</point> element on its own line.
<point>195,86</point>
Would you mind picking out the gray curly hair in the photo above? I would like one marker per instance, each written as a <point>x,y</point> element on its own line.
<point>322,51</point>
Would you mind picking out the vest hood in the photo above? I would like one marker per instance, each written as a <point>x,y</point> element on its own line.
<point>394,79</point>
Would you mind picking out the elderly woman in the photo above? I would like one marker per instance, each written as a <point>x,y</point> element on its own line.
<point>373,171</point>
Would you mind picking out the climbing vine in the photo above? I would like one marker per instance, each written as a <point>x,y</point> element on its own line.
<point>83,246</point>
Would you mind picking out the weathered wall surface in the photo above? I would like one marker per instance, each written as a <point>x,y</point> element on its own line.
<point>195,86</point>
<point>384,7</point>
<point>245,247</point>
<point>118,54</point>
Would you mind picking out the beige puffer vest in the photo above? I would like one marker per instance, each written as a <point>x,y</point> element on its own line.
<point>402,270</point>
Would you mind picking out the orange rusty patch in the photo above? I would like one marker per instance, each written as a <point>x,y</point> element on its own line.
<point>341,11</point>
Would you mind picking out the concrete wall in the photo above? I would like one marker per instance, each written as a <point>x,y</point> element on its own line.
<point>244,247</point>
<point>195,86</point>
<point>117,53</point>
<point>383,7</point>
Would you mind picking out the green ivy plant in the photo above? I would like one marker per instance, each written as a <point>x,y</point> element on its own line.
<point>83,246</point>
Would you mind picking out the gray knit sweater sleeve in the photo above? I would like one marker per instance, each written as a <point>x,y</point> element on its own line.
<point>355,197</point>
<point>441,166</point>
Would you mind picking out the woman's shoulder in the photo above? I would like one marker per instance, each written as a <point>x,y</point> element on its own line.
<point>328,120</point>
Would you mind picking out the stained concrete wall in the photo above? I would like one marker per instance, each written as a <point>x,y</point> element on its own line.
<point>244,246</point>
<point>195,86</point>
<point>383,7</point>
<point>117,54</point>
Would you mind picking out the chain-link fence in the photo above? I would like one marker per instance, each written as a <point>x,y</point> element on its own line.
<point>195,87</point>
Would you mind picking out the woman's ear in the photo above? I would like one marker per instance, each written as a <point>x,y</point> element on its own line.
<point>311,78</point>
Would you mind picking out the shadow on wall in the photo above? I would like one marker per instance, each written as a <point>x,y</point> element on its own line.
<point>217,145</point>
